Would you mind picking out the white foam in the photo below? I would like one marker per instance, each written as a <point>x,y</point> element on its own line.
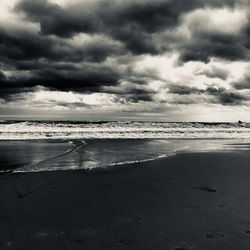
<point>122,130</point>
<point>157,157</point>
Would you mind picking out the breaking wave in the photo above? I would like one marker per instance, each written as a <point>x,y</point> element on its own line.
<point>16,130</point>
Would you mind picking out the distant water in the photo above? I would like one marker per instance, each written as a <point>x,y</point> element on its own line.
<point>16,130</point>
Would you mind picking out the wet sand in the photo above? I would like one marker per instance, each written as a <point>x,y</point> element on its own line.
<point>187,201</point>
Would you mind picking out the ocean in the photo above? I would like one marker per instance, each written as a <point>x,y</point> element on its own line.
<point>52,146</point>
<point>21,130</point>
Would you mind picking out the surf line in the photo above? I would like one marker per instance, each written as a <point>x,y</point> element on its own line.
<point>157,157</point>
<point>78,145</point>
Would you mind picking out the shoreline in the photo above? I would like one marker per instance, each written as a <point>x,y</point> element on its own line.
<point>56,155</point>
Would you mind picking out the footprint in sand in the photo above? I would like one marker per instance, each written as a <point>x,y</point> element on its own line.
<point>193,208</point>
<point>222,204</point>
<point>5,245</point>
<point>49,234</point>
<point>126,221</point>
<point>89,231</point>
<point>244,222</point>
<point>207,188</point>
<point>23,194</point>
<point>215,235</point>
<point>184,247</point>
<point>161,216</point>
<point>139,219</point>
<point>125,242</point>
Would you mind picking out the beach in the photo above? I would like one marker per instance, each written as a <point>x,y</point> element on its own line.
<point>189,200</point>
<point>124,125</point>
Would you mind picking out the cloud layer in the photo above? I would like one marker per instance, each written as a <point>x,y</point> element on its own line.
<point>129,56</point>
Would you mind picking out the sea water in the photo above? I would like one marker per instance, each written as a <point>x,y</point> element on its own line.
<point>18,130</point>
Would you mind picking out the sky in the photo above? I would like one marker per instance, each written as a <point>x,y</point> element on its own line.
<point>161,60</point>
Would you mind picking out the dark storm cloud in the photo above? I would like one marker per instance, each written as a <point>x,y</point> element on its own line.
<point>114,28</point>
<point>72,105</point>
<point>243,83</point>
<point>84,80</point>
<point>205,46</point>
<point>2,76</point>
<point>182,90</point>
<point>226,97</point>
<point>87,78</point>
<point>134,98</point>
<point>42,60</point>
<point>137,95</point>
<point>23,45</point>
<point>222,96</point>
<point>91,16</point>
<point>132,22</point>
<point>55,20</point>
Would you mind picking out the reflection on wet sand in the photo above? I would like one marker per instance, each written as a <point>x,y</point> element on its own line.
<point>46,155</point>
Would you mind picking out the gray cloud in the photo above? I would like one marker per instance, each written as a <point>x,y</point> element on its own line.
<point>118,32</point>
<point>183,90</point>
<point>222,96</point>
<point>18,45</point>
<point>243,83</point>
<point>132,22</point>
<point>85,79</point>
<point>2,76</point>
<point>215,72</point>
<point>226,97</point>
<point>205,46</point>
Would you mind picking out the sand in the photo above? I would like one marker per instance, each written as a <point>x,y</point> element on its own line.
<point>187,201</point>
